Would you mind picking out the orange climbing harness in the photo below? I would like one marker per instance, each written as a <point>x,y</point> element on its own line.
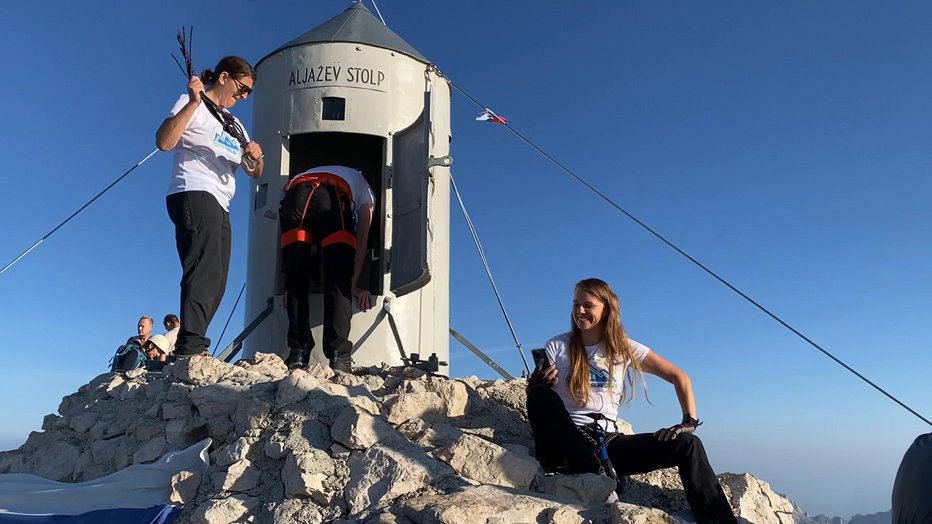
<point>344,194</point>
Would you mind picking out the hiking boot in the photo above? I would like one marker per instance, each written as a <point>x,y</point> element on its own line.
<point>344,364</point>
<point>298,357</point>
<point>296,364</point>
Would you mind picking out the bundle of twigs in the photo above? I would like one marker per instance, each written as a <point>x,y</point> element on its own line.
<point>230,125</point>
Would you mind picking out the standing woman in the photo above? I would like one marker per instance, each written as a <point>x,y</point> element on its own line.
<point>201,187</point>
<point>577,380</point>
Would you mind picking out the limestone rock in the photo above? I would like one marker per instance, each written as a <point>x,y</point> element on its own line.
<point>239,476</point>
<point>321,371</point>
<point>586,488</point>
<point>304,434</point>
<point>353,395</point>
<point>199,370</point>
<point>452,392</point>
<point>357,429</point>
<point>485,504</point>
<point>232,452</point>
<point>622,513</point>
<point>380,475</point>
<point>488,463</point>
<point>250,413</point>
<point>57,461</point>
<point>314,474</point>
<point>12,462</point>
<point>173,411</point>
<point>411,406</point>
<point>150,451</point>
<point>215,401</point>
<point>231,509</point>
<point>757,502</point>
<point>268,364</point>
<point>296,511</point>
<point>103,451</point>
<point>176,433</point>
<point>84,422</point>
<point>184,487</point>
<point>295,387</point>
<point>51,422</point>
<point>439,436</point>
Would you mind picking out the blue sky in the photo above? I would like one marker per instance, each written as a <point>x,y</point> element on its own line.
<point>785,145</point>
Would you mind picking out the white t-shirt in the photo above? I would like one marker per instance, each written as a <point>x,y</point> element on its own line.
<point>362,193</point>
<point>206,157</point>
<point>172,336</point>
<point>599,400</point>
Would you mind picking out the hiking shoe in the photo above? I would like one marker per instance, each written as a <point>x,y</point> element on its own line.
<point>344,364</point>
<point>296,364</point>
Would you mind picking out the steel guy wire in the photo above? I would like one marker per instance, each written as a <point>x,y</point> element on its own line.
<point>222,332</point>
<point>488,271</point>
<point>91,201</point>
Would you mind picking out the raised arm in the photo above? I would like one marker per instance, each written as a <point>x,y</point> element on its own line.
<point>362,246</point>
<point>173,127</point>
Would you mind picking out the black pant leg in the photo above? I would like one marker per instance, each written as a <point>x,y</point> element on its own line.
<point>226,242</point>
<point>338,259</point>
<point>198,220</point>
<point>296,259</point>
<point>556,437</point>
<point>633,454</point>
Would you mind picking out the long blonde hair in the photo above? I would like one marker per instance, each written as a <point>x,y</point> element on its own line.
<point>617,348</point>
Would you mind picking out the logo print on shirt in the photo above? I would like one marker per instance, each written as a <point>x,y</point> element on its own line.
<point>226,141</point>
<point>598,376</point>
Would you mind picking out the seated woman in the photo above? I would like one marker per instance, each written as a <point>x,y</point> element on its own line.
<point>576,380</point>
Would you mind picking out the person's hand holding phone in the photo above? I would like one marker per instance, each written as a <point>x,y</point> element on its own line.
<point>545,373</point>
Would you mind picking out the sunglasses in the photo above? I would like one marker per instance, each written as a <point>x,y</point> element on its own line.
<point>244,89</point>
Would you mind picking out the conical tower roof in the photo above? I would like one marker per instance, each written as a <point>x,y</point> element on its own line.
<point>354,25</point>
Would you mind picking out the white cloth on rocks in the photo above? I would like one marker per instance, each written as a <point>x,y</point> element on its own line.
<point>138,486</point>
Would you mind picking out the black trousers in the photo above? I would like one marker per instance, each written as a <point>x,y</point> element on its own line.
<point>324,215</point>
<point>557,440</point>
<point>203,237</point>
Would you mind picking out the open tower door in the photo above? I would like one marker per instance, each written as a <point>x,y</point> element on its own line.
<point>410,182</point>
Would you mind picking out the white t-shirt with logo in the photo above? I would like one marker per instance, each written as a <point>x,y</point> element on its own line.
<point>206,157</point>
<point>599,400</point>
<point>362,193</point>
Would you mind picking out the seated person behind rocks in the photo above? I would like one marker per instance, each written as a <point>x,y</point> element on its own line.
<point>911,500</point>
<point>143,330</point>
<point>585,373</point>
<point>172,326</point>
<point>131,355</point>
<point>157,348</point>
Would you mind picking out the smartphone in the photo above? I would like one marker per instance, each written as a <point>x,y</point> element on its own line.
<point>538,355</point>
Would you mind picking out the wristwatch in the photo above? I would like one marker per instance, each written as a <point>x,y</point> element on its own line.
<point>694,422</point>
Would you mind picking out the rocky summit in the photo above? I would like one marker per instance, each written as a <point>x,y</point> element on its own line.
<point>382,445</point>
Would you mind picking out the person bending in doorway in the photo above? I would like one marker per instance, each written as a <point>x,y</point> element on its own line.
<point>201,187</point>
<point>319,208</point>
<point>593,369</point>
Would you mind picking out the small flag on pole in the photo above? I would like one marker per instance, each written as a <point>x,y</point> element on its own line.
<point>489,116</point>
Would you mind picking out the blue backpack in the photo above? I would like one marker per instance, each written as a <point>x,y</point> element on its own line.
<point>128,356</point>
